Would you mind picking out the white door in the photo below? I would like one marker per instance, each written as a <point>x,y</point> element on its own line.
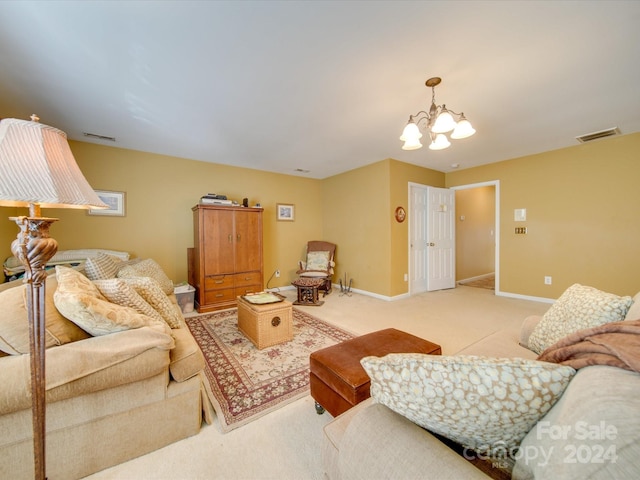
<point>418,241</point>
<point>441,238</point>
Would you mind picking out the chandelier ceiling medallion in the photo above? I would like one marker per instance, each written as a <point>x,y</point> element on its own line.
<point>438,121</point>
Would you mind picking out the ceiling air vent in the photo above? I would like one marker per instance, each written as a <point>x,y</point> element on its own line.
<point>596,135</point>
<point>99,137</point>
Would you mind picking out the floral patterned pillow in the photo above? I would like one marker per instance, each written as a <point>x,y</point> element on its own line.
<point>579,307</point>
<point>318,261</point>
<point>481,403</point>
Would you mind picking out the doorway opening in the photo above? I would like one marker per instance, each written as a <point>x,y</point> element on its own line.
<point>420,235</point>
<point>477,235</point>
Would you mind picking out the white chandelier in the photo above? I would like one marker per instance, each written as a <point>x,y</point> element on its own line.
<point>439,120</point>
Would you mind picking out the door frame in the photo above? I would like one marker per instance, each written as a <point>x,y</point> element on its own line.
<point>496,184</point>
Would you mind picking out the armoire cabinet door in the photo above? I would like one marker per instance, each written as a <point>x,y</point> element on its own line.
<point>248,241</point>
<point>218,242</point>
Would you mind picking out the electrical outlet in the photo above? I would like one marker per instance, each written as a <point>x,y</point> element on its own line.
<point>277,273</point>
<point>547,280</point>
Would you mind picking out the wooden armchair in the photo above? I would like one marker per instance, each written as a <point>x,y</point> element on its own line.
<point>319,263</point>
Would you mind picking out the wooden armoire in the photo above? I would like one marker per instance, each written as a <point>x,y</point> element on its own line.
<point>227,256</point>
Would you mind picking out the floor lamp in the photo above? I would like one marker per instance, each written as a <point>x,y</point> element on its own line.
<point>37,169</point>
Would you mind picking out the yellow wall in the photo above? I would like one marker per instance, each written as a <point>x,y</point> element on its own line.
<point>160,192</point>
<point>359,218</point>
<point>354,204</point>
<point>475,235</point>
<point>581,205</point>
<point>582,217</point>
<point>8,231</point>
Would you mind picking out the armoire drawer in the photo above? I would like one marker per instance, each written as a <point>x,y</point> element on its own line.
<point>217,296</point>
<point>218,282</point>
<point>247,278</point>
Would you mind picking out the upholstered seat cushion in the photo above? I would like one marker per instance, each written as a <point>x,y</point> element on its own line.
<point>94,364</point>
<point>186,358</point>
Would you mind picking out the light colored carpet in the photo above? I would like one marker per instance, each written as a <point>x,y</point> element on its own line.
<point>285,444</point>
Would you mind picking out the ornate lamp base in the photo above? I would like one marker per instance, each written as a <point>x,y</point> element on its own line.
<point>34,248</point>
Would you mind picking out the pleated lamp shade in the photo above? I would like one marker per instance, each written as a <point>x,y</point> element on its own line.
<point>38,168</point>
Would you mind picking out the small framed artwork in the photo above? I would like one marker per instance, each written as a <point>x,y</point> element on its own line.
<point>285,212</point>
<point>400,214</point>
<point>116,203</point>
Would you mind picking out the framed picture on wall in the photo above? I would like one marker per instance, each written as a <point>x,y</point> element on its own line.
<point>285,212</point>
<point>116,202</point>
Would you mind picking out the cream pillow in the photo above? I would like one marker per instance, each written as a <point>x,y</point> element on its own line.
<point>14,323</point>
<point>148,268</point>
<point>118,291</point>
<point>102,267</point>
<point>481,403</point>
<point>579,307</point>
<point>79,300</point>
<point>151,292</point>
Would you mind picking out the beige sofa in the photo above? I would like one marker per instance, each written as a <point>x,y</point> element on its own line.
<point>110,398</point>
<point>593,431</point>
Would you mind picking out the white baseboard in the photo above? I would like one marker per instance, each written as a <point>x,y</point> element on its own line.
<point>525,297</point>
<point>336,290</point>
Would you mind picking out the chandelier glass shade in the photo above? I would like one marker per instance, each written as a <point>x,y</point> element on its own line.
<point>438,121</point>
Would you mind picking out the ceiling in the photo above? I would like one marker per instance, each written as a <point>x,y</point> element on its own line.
<point>321,86</point>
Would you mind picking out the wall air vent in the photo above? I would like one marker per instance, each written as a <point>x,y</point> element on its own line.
<point>99,137</point>
<point>596,135</point>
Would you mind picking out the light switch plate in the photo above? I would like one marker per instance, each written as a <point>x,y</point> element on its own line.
<point>520,214</point>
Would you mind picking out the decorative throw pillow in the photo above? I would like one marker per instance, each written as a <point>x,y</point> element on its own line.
<point>118,291</point>
<point>79,300</point>
<point>318,261</point>
<point>579,307</point>
<point>148,268</point>
<point>481,403</point>
<point>634,310</point>
<point>102,267</point>
<point>14,326</point>
<point>151,292</point>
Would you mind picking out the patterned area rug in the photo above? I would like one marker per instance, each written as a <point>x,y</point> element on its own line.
<point>245,383</point>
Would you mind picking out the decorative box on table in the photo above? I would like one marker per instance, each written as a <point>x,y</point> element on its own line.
<point>265,324</point>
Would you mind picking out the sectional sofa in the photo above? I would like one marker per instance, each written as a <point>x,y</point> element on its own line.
<point>592,431</point>
<point>112,395</point>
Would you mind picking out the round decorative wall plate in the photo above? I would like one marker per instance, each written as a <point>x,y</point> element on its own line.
<point>400,214</point>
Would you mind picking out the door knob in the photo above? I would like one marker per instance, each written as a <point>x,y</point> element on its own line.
<point>431,244</point>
